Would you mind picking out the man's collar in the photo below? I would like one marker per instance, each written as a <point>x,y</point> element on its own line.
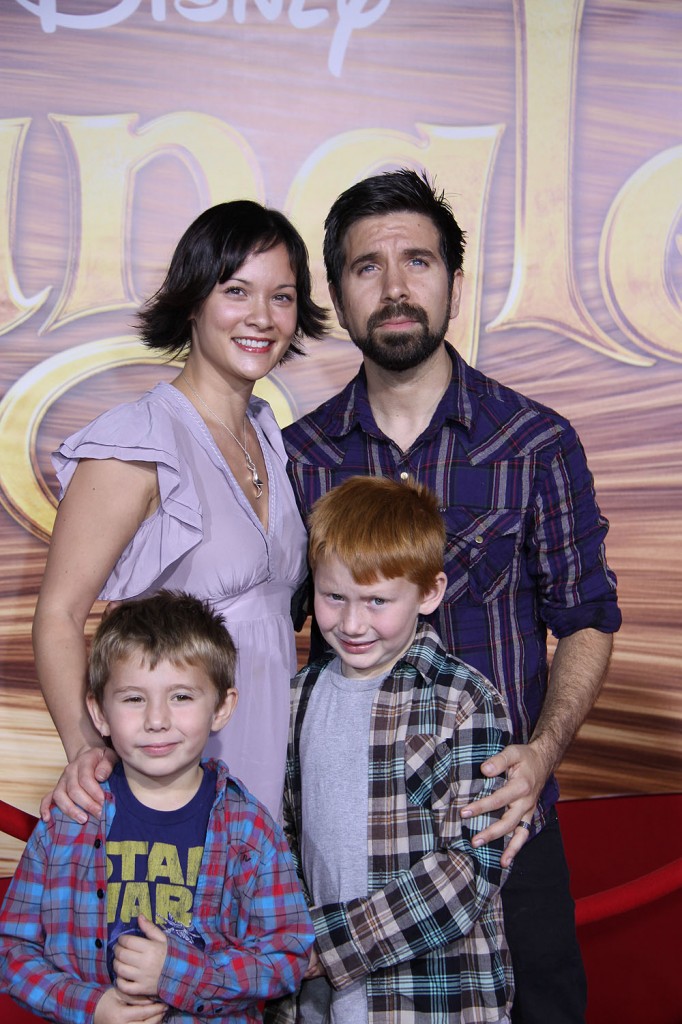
<point>457,402</point>
<point>351,407</point>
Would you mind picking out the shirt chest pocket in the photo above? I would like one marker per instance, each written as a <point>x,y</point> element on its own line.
<point>428,766</point>
<point>232,900</point>
<point>482,553</point>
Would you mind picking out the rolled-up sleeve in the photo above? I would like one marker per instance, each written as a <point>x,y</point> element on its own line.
<point>576,586</point>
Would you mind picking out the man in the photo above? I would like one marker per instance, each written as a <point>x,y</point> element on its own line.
<point>525,549</point>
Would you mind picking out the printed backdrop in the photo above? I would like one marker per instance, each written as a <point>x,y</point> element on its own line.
<point>555,129</point>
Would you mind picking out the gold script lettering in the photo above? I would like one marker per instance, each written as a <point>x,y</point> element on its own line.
<point>642,220</point>
<point>14,307</point>
<point>105,154</point>
<point>543,291</point>
<point>23,491</point>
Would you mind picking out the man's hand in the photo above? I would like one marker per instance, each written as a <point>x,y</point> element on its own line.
<point>78,792</point>
<point>315,967</point>
<point>114,1008</point>
<point>526,775</point>
<point>578,670</point>
<point>139,960</point>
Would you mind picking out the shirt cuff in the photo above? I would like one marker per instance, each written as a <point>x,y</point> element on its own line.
<point>603,615</point>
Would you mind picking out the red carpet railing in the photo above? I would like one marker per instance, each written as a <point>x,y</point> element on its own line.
<point>15,822</point>
<point>631,895</point>
<point>600,905</point>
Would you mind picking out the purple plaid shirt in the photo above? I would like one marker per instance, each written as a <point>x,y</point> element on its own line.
<point>248,909</point>
<point>525,537</point>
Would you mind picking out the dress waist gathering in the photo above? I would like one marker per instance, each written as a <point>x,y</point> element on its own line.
<point>263,601</point>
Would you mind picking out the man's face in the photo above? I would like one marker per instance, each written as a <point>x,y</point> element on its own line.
<point>396,303</point>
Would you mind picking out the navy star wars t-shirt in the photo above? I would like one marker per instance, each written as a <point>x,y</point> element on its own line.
<point>153,861</point>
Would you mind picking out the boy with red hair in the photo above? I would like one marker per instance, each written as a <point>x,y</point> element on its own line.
<point>388,733</point>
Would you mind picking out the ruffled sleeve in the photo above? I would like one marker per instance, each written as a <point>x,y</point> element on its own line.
<point>142,431</point>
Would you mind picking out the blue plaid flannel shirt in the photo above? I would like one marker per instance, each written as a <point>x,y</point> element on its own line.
<point>248,909</point>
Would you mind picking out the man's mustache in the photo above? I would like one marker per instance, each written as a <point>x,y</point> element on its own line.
<point>397,311</point>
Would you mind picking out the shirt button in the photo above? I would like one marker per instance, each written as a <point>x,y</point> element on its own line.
<point>404,476</point>
<point>99,943</point>
<point>97,843</point>
<point>479,539</point>
<point>100,894</point>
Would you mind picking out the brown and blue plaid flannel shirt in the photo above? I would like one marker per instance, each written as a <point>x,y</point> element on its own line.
<point>428,937</point>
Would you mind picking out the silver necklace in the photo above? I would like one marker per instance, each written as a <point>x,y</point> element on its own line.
<point>250,464</point>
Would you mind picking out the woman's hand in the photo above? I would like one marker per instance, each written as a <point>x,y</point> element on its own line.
<point>78,792</point>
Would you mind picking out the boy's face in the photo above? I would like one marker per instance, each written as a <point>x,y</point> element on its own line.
<point>370,626</point>
<point>159,720</point>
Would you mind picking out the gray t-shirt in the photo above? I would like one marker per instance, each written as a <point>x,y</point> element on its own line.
<point>334,751</point>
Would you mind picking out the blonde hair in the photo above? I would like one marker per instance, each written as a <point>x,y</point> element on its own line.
<point>170,626</point>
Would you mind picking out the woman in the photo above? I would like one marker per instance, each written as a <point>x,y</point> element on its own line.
<point>186,488</point>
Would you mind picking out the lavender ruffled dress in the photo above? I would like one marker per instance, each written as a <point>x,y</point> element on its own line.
<point>205,539</point>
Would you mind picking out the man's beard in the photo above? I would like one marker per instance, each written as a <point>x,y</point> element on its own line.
<point>399,351</point>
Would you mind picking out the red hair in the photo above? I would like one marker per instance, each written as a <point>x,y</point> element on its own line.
<point>378,527</point>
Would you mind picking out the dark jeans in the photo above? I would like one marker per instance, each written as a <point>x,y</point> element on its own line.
<point>539,919</point>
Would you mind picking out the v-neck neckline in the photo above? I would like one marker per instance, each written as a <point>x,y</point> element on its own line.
<point>198,420</point>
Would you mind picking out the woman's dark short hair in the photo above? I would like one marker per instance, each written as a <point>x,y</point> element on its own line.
<point>211,251</point>
<point>392,192</point>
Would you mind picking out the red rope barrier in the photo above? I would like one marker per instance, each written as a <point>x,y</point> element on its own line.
<point>631,895</point>
<point>597,907</point>
<point>16,822</point>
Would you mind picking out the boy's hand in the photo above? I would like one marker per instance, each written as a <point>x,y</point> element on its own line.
<point>315,967</point>
<point>115,1008</point>
<point>78,792</point>
<point>139,960</point>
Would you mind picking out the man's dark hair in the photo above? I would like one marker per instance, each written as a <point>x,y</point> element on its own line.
<point>211,251</point>
<point>391,192</point>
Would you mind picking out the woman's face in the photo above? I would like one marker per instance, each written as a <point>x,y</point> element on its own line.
<point>245,325</point>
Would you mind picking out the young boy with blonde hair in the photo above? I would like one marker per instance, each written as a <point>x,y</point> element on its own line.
<point>181,899</point>
<point>387,735</point>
